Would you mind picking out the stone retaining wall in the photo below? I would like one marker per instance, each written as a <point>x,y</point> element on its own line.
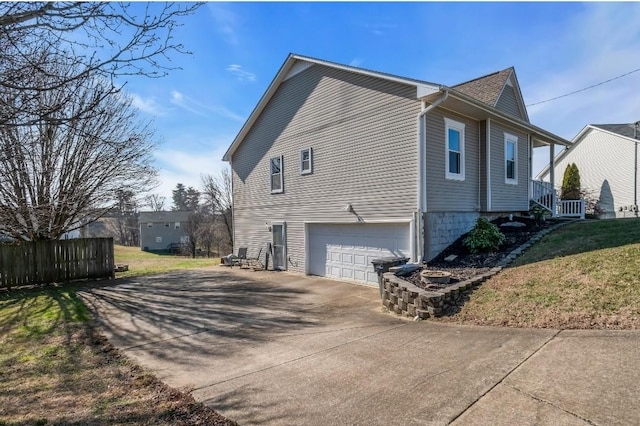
<point>404,298</point>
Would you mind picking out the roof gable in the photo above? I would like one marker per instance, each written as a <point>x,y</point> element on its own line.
<point>482,93</point>
<point>292,66</point>
<point>486,88</point>
<point>490,88</point>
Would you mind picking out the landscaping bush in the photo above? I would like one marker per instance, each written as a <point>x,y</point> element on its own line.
<point>485,236</point>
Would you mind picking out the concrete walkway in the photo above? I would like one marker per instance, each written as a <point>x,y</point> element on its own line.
<point>276,348</point>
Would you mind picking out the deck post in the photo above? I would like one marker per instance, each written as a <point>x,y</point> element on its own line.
<point>552,178</point>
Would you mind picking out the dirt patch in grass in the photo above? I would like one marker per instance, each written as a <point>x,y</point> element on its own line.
<point>584,275</point>
<point>55,369</point>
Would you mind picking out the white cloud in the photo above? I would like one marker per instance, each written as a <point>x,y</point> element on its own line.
<point>380,29</point>
<point>176,166</point>
<point>240,73</point>
<point>600,43</point>
<point>355,62</point>
<point>148,105</point>
<point>226,22</point>
<point>199,108</point>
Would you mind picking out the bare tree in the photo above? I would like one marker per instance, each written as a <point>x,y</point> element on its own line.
<point>125,214</point>
<point>193,229</point>
<point>155,202</point>
<point>217,195</point>
<point>105,39</point>
<point>59,174</point>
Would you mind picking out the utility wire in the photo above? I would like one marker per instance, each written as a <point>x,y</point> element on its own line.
<point>586,88</point>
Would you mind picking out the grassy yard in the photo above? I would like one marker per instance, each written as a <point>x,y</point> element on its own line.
<point>584,275</point>
<point>144,263</point>
<point>55,370</point>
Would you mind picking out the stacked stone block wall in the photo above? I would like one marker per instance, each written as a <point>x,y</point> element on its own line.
<point>404,298</point>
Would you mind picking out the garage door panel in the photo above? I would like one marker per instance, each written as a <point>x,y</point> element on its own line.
<point>346,251</point>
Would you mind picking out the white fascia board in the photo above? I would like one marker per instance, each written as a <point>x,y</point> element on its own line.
<point>288,69</point>
<point>264,100</point>
<point>567,150</point>
<point>542,134</point>
<point>424,90</point>
<point>363,72</point>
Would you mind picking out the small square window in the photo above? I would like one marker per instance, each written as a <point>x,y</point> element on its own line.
<point>149,225</point>
<point>158,239</point>
<point>166,225</point>
<point>177,225</point>
<point>276,175</point>
<point>306,161</point>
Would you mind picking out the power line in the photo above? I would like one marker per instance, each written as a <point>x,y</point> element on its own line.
<point>586,88</point>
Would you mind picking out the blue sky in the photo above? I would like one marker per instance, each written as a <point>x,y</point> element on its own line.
<point>237,49</point>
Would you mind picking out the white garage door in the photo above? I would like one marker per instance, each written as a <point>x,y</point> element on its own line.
<point>346,251</point>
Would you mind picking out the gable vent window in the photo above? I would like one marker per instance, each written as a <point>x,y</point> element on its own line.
<point>276,175</point>
<point>454,148</point>
<point>306,161</point>
<point>510,159</point>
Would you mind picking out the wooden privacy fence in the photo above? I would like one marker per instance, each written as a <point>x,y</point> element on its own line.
<point>43,262</point>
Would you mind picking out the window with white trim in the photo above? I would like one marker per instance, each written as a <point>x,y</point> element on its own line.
<point>306,161</point>
<point>510,159</point>
<point>454,149</point>
<point>275,170</point>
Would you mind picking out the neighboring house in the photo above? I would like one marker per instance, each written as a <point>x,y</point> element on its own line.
<point>160,229</point>
<point>607,158</point>
<point>338,165</point>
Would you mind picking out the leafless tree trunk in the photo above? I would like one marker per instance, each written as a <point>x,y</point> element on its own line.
<point>155,202</point>
<point>217,195</point>
<point>105,39</point>
<point>58,173</point>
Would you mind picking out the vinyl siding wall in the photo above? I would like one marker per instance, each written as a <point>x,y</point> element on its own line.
<point>444,194</point>
<point>363,134</point>
<point>507,197</point>
<point>165,230</point>
<point>606,164</point>
<point>483,165</point>
<point>508,102</point>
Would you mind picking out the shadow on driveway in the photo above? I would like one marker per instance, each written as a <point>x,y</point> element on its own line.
<point>172,308</point>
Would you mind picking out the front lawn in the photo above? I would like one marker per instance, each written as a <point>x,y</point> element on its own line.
<point>584,275</point>
<point>54,369</point>
<point>145,263</point>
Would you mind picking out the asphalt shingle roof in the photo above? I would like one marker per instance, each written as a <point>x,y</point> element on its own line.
<point>486,88</point>
<point>625,129</point>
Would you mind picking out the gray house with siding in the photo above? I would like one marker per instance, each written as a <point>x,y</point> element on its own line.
<point>607,158</point>
<point>339,165</point>
<point>159,229</point>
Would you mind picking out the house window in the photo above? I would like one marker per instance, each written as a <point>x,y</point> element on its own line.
<point>177,225</point>
<point>149,225</point>
<point>454,149</point>
<point>306,161</point>
<point>158,239</point>
<point>510,159</point>
<point>276,175</point>
<point>166,225</point>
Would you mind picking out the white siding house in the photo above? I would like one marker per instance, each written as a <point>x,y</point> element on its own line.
<point>607,158</point>
<point>338,165</point>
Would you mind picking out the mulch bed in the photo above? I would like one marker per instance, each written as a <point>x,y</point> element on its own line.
<point>467,265</point>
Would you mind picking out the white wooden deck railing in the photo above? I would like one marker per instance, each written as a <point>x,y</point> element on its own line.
<point>571,208</point>
<point>544,194</point>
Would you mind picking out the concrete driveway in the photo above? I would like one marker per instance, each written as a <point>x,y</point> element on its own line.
<point>276,348</point>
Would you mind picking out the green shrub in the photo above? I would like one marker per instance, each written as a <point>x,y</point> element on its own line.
<point>485,236</point>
